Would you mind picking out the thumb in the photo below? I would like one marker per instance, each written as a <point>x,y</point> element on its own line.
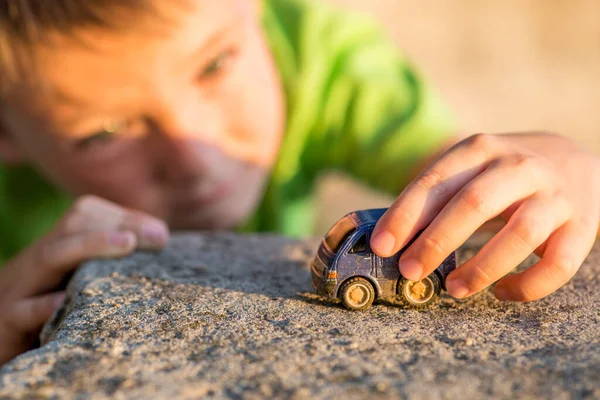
<point>31,313</point>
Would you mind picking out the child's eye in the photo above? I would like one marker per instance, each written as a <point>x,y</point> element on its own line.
<point>216,65</point>
<point>110,131</point>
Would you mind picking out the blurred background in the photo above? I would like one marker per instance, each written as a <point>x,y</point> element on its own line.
<point>501,65</point>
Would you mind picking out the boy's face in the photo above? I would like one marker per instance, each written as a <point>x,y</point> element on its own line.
<point>181,119</point>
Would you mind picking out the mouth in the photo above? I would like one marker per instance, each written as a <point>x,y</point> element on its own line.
<point>221,191</point>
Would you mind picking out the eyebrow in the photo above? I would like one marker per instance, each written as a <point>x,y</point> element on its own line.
<point>64,97</point>
<point>222,33</point>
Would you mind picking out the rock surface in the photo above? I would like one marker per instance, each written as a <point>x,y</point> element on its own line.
<point>227,316</point>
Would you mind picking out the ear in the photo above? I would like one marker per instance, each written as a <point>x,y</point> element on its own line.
<point>9,153</point>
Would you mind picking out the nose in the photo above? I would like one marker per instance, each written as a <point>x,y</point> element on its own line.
<point>183,145</point>
<point>179,160</point>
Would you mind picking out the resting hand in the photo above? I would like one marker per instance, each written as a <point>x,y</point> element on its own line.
<point>93,228</point>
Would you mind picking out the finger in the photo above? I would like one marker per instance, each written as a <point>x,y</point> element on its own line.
<point>48,263</point>
<point>503,183</point>
<point>30,314</point>
<point>531,224</point>
<point>151,233</point>
<point>91,213</point>
<point>565,251</point>
<point>423,198</point>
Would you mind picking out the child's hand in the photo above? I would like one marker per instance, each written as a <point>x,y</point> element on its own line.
<point>93,228</point>
<point>545,187</point>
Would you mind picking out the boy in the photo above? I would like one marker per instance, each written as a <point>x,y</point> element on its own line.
<point>122,120</point>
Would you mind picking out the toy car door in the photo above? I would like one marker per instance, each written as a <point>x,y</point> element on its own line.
<point>387,273</point>
<point>359,256</point>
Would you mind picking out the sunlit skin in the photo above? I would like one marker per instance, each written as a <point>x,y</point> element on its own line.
<point>166,125</point>
<point>178,125</point>
<point>544,186</point>
<point>196,105</point>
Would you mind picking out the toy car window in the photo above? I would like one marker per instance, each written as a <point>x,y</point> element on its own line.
<point>338,234</point>
<point>360,245</point>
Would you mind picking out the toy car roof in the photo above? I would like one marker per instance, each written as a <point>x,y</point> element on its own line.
<point>367,217</point>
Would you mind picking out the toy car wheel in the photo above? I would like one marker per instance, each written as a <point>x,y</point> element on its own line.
<point>420,294</point>
<point>357,294</point>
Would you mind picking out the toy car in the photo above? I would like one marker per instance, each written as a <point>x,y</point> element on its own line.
<point>344,267</point>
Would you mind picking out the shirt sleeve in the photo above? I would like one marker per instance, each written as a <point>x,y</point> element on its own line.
<point>378,116</point>
<point>29,208</point>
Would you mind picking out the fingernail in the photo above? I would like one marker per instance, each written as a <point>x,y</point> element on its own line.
<point>154,235</point>
<point>122,239</point>
<point>59,299</point>
<point>457,288</point>
<point>411,269</point>
<point>383,243</point>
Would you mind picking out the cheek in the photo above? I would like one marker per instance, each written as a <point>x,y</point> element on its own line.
<point>116,175</point>
<point>124,179</point>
